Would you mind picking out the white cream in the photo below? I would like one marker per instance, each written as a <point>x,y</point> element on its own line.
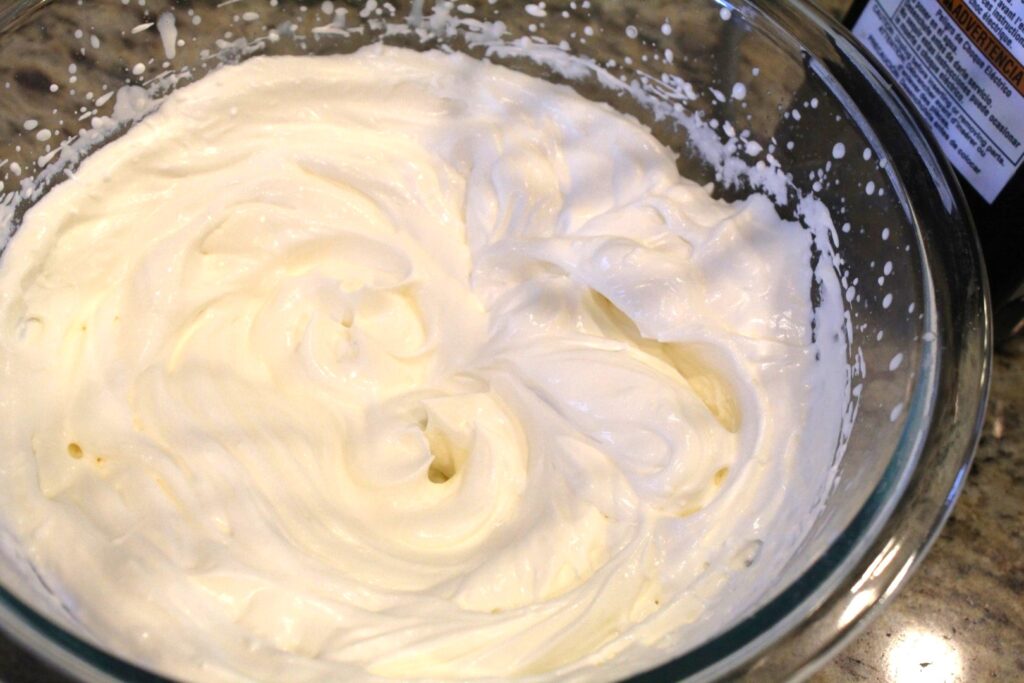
<point>406,365</point>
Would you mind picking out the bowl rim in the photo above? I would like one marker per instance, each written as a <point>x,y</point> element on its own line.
<point>794,618</point>
<point>894,539</point>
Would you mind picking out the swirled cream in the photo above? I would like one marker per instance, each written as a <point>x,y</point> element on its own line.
<point>405,365</point>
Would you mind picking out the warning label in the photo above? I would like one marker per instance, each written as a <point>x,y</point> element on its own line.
<point>983,39</point>
<point>961,63</point>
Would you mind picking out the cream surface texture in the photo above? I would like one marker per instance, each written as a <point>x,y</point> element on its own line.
<point>405,365</point>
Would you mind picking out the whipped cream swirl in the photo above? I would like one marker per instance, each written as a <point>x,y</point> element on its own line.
<point>404,365</point>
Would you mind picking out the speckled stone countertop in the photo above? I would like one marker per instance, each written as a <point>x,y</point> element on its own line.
<point>961,616</point>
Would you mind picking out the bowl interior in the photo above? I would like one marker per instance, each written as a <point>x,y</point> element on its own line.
<point>743,103</point>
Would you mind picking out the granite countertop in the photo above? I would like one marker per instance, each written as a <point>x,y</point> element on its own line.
<point>961,616</point>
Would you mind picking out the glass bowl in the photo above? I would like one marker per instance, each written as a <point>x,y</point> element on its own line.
<point>779,77</point>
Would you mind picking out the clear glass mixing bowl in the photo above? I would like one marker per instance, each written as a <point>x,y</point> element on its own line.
<point>908,252</point>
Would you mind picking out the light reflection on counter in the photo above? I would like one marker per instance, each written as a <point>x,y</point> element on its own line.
<point>922,655</point>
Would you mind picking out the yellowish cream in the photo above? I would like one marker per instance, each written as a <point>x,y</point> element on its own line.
<point>405,365</point>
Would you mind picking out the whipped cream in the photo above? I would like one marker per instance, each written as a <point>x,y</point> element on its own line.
<point>406,365</point>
